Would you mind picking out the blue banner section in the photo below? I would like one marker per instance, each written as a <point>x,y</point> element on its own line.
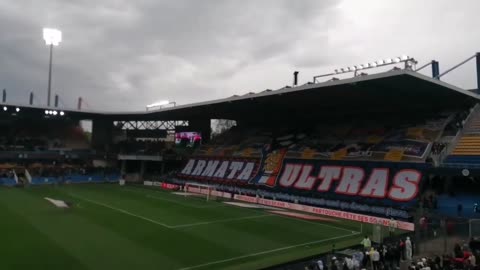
<point>93,178</point>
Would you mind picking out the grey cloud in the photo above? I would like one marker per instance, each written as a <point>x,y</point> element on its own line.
<point>121,55</point>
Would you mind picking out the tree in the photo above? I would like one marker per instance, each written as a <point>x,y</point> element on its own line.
<point>219,126</point>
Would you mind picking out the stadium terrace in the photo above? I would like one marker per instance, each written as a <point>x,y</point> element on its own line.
<point>244,183</point>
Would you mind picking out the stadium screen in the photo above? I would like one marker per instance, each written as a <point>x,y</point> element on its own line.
<point>188,139</point>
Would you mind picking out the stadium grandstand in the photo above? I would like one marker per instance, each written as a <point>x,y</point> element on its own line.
<point>303,172</point>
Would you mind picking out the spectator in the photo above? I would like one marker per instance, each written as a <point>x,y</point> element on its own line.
<point>472,260</point>
<point>375,257</point>
<point>320,265</point>
<point>366,243</point>
<point>333,264</point>
<point>408,249</point>
<point>474,245</point>
<point>347,264</point>
<point>357,259</point>
<point>457,251</point>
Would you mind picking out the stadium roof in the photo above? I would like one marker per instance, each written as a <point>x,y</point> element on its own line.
<point>392,90</point>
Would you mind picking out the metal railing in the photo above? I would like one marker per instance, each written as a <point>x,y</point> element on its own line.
<point>451,146</point>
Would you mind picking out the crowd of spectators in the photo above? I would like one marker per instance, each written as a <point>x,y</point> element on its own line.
<point>438,147</point>
<point>397,255</point>
<point>368,256</point>
<point>60,170</point>
<point>4,173</point>
<point>23,143</point>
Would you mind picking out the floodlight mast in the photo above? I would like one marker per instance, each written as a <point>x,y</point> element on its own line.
<point>52,37</point>
<point>407,60</point>
<point>160,104</point>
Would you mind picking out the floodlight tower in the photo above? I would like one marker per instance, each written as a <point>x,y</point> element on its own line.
<point>52,37</point>
<point>160,104</point>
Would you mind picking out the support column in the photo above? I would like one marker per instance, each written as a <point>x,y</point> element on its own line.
<point>435,69</point>
<point>142,169</point>
<point>477,58</point>
<point>123,169</point>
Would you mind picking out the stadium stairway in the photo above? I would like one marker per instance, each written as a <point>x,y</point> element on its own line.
<point>467,149</point>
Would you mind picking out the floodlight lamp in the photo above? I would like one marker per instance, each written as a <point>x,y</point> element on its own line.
<point>62,113</point>
<point>388,61</point>
<point>157,104</point>
<point>380,62</point>
<point>397,60</point>
<point>336,71</point>
<point>404,57</point>
<point>5,108</point>
<point>46,111</point>
<point>17,109</point>
<point>373,64</point>
<point>342,69</point>
<point>54,112</point>
<point>52,36</point>
<point>366,65</point>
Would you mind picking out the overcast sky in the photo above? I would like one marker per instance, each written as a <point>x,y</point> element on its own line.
<point>124,54</point>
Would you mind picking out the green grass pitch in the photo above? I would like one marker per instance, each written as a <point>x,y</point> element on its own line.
<point>113,227</point>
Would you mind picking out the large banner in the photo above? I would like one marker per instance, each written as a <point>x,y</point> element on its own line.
<point>221,169</point>
<point>383,184</point>
<point>408,226</point>
<point>396,182</point>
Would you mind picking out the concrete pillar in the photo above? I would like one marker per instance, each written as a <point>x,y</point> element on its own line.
<point>142,169</point>
<point>123,169</point>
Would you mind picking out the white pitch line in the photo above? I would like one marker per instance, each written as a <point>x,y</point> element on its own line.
<point>122,211</point>
<point>183,204</point>
<point>163,224</point>
<point>146,193</point>
<point>266,252</point>
<point>316,223</point>
<point>220,221</point>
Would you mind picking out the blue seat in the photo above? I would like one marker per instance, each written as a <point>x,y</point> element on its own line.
<point>76,178</point>
<point>113,177</point>
<point>463,159</point>
<point>7,182</point>
<point>44,180</point>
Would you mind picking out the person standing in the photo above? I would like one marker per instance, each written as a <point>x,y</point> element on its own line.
<point>401,250</point>
<point>366,243</point>
<point>320,265</point>
<point>375,256</point>
<point>333,264</point>
<point>408,249</point>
